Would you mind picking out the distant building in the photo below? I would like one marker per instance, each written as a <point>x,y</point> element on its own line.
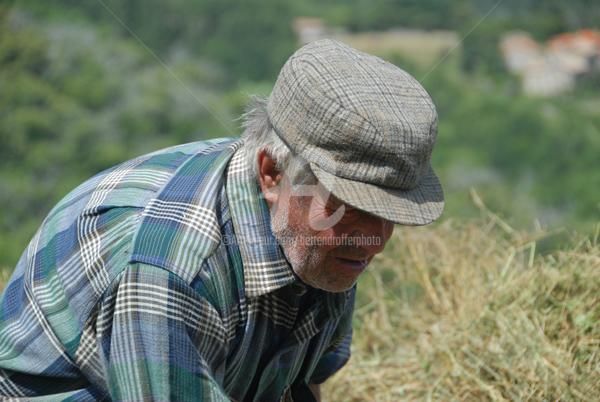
<point>551,69</point>
<point>544,78</point>
<point>577,53</point>
<point>309,29</point>
<point>519,51</point>
<point>585,43</point>
<point>425,47</point>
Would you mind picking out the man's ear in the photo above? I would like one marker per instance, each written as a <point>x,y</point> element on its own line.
<point>269,177</point>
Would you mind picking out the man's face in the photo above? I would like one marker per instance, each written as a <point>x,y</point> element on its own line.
<point>328,243</point>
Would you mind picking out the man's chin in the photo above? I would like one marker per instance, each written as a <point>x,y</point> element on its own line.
<point>335,286</point>
<point>339,289</point>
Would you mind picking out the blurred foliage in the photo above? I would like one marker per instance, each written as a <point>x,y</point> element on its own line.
<point>224,31</point>
<point>76,100</point>
<point>85,85</point>
<point>536,154</point>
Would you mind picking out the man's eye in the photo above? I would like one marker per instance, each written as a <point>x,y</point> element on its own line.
<point>332,208</point>
<point>350,214</point>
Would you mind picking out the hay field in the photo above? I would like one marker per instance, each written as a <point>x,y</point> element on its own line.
<point>4,276</point>
<point>472,312</point>
<point>422,47</point>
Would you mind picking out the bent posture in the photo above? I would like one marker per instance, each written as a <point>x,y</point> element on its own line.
<point>225,269</point>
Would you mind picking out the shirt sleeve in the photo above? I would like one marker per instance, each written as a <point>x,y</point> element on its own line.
<point>158,339</point>
<point>338,352</point>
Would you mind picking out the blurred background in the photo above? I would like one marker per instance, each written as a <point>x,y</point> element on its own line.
<point>87,84</point>
<point>497,301</point>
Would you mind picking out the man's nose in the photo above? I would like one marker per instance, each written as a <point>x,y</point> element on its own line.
<point>374,232</point>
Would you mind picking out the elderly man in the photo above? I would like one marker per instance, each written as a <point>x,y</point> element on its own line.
<point>225,269</point>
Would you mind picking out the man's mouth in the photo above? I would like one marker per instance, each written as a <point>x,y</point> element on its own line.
<point>354,264</point>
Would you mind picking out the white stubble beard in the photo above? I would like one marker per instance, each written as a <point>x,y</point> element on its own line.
<point>305,258</point>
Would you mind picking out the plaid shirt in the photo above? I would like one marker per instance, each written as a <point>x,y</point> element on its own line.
<point>161,279</point>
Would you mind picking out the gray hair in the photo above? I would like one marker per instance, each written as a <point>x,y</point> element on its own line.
<point>260,135</point>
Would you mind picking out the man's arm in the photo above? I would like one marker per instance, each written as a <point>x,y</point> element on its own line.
<point>338,353</point>
<point>316,390</point>
<point>158,339</point>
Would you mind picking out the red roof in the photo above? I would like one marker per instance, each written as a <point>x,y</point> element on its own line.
<point>568,38</point>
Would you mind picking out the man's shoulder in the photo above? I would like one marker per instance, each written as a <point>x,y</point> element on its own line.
<point>114,205</point>
<point>133,212</point>
<point>135,182</point>
<point>181,224</point>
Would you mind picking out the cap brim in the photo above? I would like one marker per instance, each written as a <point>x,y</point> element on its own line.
<point>419,206</point>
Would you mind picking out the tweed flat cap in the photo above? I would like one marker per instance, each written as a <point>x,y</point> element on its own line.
<point>366,127</point>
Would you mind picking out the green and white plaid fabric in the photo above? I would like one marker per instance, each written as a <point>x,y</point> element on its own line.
<point>160,279</point>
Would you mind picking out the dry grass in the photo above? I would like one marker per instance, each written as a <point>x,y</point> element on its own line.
<point>470,312</point>
<point>4,276</point>
<point>422,47</point>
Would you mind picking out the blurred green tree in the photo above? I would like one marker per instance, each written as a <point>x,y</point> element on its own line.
<point>76,100</point>
<point>251,38</point>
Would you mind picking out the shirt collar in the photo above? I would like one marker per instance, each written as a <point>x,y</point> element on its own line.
<point>265,267</point>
